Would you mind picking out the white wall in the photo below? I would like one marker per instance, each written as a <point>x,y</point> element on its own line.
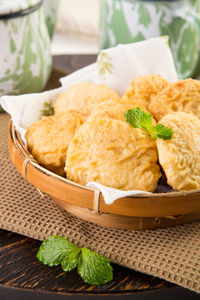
<point>79,16</point>
<point>77,29</point>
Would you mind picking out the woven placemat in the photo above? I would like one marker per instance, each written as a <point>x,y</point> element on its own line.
<point>172,254</point>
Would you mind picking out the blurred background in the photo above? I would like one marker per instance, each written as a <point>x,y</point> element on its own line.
<point>77,28</point>
<point>86,26</point>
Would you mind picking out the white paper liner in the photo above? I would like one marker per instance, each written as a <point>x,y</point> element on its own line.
<point>124,63</point>
<point>128,61</point>
<point>110,194</point>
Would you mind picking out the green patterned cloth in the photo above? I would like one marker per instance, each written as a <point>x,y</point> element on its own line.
<point>126,21</point>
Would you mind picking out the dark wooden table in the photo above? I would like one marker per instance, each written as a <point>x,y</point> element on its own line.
<point>23,277</point>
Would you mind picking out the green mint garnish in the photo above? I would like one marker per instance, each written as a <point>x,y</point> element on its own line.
<point>54,249</point>
<point>92,267</point>
<point>140,119</point>
<point>70,261</point>
<point>162,132</point>
<point>48,109</point>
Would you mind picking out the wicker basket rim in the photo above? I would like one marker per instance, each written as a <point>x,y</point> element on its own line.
<point>20,146</point>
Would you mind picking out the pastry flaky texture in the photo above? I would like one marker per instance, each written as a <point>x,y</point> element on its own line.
<point>142,88</point>
<point>83,97</point>
<point>48,139</point>
<point>183,95</point>
<point>180,156</point>
<point>113,109</point>
<point>114,154</point>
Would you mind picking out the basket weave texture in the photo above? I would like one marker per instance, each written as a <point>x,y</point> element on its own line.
<point>171,253</point>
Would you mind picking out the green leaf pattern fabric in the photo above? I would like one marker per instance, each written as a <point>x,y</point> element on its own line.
<point>126,21</point>
<point>26,56</point>
<point>104,64</point>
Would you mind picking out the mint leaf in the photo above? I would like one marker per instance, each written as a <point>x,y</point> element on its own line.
<point>160,131</point>
<point>70,261</point>
<point>54,249</point>
<point>94,268</point>
<point>140,119</point>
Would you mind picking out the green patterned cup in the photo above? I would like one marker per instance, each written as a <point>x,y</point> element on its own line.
<point>126,21</point>
<point>25,57</point>
<point>50,14</point>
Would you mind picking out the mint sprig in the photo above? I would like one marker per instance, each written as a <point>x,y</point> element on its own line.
<point>137,118</point>
<point>92,267</point>
<point>162,132</point>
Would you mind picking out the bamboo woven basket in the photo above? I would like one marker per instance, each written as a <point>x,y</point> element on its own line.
<point>139,212</point>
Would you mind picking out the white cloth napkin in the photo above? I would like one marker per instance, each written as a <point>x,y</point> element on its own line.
<point>26,109</point>
<point>110,194</point>
<point>115,67</point>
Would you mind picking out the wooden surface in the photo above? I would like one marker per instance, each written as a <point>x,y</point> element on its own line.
<point>23,277</point>
<point>20,268</point>
<point>22,274</point>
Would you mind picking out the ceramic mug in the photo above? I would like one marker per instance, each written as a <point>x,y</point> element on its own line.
<point>126,21</point>
<point>50,14</point>
<point>25,56</point>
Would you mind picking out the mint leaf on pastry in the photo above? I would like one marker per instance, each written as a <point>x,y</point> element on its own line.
<point>137,118</point>
<point>160,131</point>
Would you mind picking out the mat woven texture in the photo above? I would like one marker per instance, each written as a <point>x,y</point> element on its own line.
<point>172,254</point>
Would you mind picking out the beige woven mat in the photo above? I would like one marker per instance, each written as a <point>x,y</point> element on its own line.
<point>172,254</point>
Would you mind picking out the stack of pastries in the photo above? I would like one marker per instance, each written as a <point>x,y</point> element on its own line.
<point>88,138</point>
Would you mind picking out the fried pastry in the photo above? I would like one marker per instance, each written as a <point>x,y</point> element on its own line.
<point>83,97</point>
<point>113,109</point>
<point>180,156</point>
<point>183,95</point>
<point>115,154</point>
<point>48,139</point>
<point>143,87</point>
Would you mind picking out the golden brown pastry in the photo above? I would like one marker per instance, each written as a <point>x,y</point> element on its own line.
<point>183,95</point>
<point>113,109</point>
<point>180,156</point>
<point>113,153</point>
<point>143,87</point>
<point>48,139</point>
<point>83,97</point>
